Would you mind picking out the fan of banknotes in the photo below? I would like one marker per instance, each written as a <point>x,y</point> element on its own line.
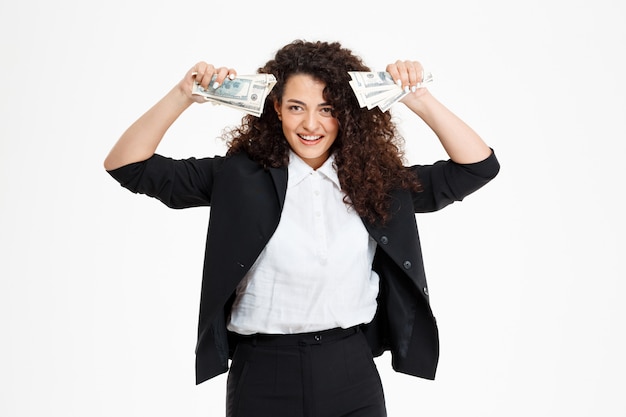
<point>245,92</point>
<point>378,88</point>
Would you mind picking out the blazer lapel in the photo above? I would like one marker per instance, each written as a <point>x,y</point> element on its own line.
<point>279,176</point>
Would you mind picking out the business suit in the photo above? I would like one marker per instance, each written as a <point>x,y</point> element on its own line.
<point>246,203</point>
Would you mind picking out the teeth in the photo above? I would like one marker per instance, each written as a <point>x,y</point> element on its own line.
<point>310,137</point>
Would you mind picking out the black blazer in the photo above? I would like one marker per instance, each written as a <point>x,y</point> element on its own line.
<point>246,202</point>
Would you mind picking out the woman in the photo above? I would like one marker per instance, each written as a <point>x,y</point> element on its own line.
<point>313,263</point>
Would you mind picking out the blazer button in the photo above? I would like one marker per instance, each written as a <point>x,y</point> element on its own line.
<point>426,290</point>
<point>384,240</point>
<point>407,265</point>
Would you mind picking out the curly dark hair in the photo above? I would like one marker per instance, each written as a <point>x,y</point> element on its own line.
<point>368,149</point>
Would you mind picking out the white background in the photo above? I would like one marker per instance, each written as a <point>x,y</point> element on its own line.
<point>99,288</point>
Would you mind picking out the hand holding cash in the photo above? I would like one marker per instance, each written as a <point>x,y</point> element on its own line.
<point>245,92</point>
<point>378,88</point>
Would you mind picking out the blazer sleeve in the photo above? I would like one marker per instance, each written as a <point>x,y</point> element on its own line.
<point>445,182</point>
<point>178,183</point>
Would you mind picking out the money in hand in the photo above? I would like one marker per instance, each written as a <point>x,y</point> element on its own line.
<point>374,89</point>
<point>245,92</point>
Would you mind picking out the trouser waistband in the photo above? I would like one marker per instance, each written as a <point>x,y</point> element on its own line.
<point>299,339</point>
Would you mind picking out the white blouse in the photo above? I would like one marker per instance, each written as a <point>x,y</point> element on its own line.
<point>316,271</point>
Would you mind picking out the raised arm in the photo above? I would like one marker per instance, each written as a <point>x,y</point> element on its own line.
<point>459,140</point>
<point>140,140</point>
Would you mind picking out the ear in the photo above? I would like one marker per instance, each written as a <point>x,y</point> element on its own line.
<point>277,109</point>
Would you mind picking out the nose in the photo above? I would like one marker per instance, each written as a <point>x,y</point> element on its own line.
<point>310,121</point>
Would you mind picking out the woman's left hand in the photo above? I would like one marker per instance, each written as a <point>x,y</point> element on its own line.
<point>409,75</point>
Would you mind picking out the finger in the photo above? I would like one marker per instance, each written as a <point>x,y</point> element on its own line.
<point>203,74</point>
<point>414,71</point>
<point>197,69</point>
<point>408,75</point>
<point>403,69</point>
<point>223,74</point>
<point>392,69</point>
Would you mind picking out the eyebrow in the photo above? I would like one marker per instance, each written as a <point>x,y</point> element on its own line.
<point>293,100</point>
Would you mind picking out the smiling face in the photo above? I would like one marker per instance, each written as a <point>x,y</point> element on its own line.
<point>308,123</point>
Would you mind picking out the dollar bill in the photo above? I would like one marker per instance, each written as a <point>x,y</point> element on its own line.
<point>377,89</point>
<point>245,92</point>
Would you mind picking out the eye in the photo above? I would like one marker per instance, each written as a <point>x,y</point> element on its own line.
<point>327,111</point>
<point>294,107</point>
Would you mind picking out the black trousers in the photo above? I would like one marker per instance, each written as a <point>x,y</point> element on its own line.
<point>324,374</point>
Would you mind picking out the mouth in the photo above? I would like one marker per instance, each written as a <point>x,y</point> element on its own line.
<point>310,139</point>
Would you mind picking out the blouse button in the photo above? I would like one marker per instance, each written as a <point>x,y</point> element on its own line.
<point>426,290</point>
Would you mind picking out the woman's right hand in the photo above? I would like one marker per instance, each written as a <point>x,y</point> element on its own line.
<point>203,73</point>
